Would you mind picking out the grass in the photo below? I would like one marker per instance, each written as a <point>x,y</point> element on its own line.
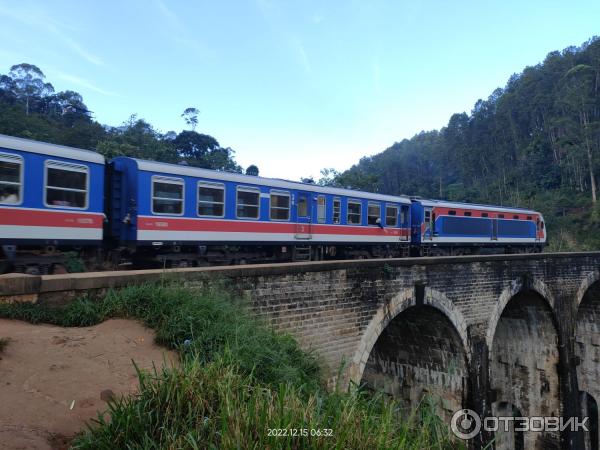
<point>198,324</point>
<point>236,381</point>
<point>214,406</point>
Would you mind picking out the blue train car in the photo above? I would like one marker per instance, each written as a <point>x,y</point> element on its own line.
<point>440,227</point>
<point>51,199</point>
<point>176,208</point>
<point>50,194</point>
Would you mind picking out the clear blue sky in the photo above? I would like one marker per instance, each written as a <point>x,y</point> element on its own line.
<point>292,86</point>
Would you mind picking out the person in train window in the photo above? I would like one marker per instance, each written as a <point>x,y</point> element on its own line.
<point>6,196</point>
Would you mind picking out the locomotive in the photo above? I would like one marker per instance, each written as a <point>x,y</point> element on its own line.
<point>59,202</point>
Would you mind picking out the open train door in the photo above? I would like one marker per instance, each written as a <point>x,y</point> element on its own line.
<point>303,216</point>
<point>428,220</point>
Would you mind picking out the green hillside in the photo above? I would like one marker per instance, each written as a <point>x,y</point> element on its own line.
<point>534,143</point>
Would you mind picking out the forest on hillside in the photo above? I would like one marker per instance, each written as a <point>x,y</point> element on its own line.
<point>534,143</point>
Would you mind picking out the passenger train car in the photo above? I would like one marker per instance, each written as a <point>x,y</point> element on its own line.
<point>57,201</point>
<point>191,215</point>
<point>50,196</point>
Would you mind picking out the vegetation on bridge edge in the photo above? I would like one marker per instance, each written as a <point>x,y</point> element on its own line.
<point>237,379</point>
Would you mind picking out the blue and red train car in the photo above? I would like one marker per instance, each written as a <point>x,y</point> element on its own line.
<point>178,210</point>
<point>442,228</point>
<point>50,196</point>
<point>53,201</point>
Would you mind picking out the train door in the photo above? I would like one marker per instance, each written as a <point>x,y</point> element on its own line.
<point>303,216</point>
<point>428,219</point>
<point>494,229</point>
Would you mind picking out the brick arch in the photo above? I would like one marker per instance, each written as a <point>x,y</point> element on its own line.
<point>389,311</point>
<point>514,288</point>
<point>589,279</point>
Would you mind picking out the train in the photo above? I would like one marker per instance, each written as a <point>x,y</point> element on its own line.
<point>58,203</point>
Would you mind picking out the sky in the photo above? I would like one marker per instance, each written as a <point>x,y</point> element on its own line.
<point>292,86</point>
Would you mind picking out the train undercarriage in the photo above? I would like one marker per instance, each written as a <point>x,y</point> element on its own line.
<point>50,259</point>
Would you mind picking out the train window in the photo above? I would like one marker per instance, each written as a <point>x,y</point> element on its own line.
<point>11,178</point>
<point>248,203</point>
<point>529,218</point>
<point>516,217</point>
<point>500,216</point>
<point>167,195</point>
<point>451,212</point>
<point>467,213</point>
<point>373,213</point>
<point>391,216</point>
<point>66,185</point>
<point>280,205</point>
<point>321,209</point>
<point>337,210</point>
<point>354,212</point>
<point>211,199</point>
<point>484,214</point>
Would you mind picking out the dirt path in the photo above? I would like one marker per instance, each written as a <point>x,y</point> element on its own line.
<point>51,378</point>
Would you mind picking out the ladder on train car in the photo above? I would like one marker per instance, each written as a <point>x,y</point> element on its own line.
<point>301,253</point>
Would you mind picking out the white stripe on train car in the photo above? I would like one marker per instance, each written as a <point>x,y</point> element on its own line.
<point>45,233</point>
<point>45,148</point>
<point>479,240</point>
<point>212,236</point>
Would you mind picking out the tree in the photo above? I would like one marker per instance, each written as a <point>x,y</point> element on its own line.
<point>29,83</point>
<point>190,115</point>
<point>252,170</point>
<point>202,150</point>
<point>580,83</point>
<point>329,177</point>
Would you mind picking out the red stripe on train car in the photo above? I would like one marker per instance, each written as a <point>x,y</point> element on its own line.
<point>242,226</point>
<point>460,212</point>
<point>37,218</point>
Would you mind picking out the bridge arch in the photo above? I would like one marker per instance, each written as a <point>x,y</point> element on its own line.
<point>389,310</point>
<point>514,288</point>
<point>588,280</point>
<point>523,339</point>
<point>587,350</point>
<point>413,350</point>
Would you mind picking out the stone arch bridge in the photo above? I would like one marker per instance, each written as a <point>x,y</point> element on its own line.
<point>515,335</point>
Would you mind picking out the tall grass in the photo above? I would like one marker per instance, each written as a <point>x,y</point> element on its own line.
<point>237,381</point>
<point>214,406</point>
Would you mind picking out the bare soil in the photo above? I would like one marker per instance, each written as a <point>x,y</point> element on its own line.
<point>52,378</point>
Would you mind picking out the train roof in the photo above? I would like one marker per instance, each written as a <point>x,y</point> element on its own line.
<point>176,169</point>
<point>447,204</point>
<point>45,148</point>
